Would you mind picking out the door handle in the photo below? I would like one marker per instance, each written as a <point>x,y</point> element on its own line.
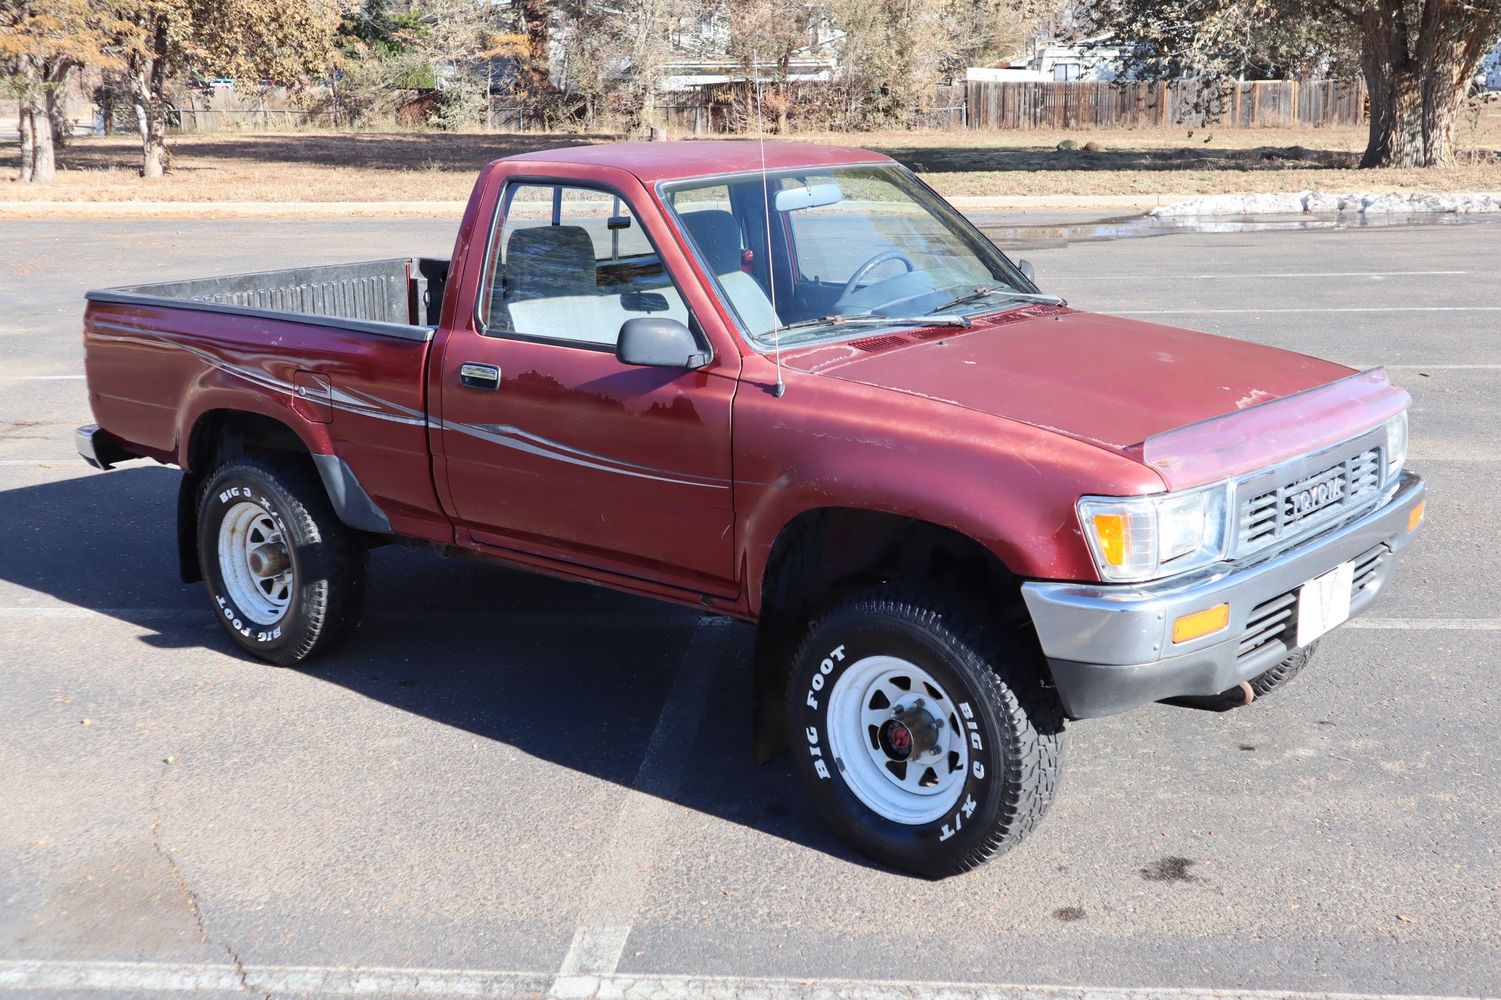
<point>478,376</point>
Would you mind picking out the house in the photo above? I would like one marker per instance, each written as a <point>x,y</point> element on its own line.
<point>1061,61</point>
<point>1490,69</point>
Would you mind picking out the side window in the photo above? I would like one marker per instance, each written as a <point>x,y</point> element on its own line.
<point>570,265</point>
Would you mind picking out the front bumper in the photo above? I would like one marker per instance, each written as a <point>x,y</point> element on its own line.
<point>1110,647</point>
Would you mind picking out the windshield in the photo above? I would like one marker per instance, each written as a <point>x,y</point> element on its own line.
<point>809,254</point>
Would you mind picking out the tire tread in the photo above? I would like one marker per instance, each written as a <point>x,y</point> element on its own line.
<point>1010,670</point>
<point>340,561</point>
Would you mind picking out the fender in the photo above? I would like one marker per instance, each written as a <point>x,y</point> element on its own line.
<point>1007,485</point>
<point>215,390</point>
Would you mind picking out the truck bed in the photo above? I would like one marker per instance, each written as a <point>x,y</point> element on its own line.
<point>397,297</point>
<point>338,351</point>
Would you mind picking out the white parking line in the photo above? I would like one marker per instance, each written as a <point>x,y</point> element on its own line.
<point>1299,309</point>
<point>307,981</point>
<point>594,951</point>
<point>41,378</point>
<point>620,877</point>
<point>1284,274</point>
<point>1438,624</point>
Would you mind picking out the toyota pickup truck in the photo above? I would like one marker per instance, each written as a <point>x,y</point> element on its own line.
<point>793,386</point>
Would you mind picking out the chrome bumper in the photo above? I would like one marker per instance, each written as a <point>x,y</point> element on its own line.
<point>1111,647</point>
<point>99,449</point>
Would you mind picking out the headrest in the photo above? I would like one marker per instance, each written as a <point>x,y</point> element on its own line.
<point>549,261</point>
<point>717,235</point>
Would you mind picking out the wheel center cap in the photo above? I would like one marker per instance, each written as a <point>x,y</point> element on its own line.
<point>268,560</point>
<point>910,732</point>
<point>896,740</point>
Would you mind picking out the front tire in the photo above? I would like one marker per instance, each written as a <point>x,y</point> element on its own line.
<point>1278,677</point>
<point>285,577</point>
<point>928,745</point>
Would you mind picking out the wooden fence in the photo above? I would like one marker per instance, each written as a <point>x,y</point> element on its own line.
<point>730,108</point>
<point>215,109</point>
<point>1095,104</point>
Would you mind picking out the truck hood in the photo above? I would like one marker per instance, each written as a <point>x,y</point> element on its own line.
<point>1110,381</point>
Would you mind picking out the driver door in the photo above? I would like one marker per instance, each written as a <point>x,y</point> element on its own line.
<point>556,449</point>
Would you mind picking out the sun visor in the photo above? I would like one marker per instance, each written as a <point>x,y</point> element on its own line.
<point>1268,433</point>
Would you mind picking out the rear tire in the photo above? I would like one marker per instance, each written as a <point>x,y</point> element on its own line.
<point>285,577</point>
<point>928,744</point>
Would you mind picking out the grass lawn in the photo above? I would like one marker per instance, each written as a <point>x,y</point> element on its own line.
<point>437,166</point>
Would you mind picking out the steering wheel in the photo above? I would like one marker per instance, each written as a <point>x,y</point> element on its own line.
<point>867,267</point>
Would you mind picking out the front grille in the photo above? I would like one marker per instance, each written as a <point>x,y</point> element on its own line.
<point>1270,621</point>
<point>1274,622</point>
<point>1296,507</point>
<point>1367,569</point>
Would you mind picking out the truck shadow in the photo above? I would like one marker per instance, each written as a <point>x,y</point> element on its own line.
<point>571,674</point>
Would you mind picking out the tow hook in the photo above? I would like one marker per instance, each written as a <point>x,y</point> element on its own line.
<point>1237,697</point>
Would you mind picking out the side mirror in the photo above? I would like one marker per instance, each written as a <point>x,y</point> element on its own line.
<point>1027,270</point>
<point>658,342</point>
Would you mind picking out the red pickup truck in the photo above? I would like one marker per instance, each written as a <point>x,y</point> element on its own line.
<point>794,386</point>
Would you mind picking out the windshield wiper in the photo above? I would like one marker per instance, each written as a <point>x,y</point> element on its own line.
<point>872,319</point>
<point>985,292</point>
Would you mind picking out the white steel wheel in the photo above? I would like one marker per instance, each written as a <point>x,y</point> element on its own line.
<point>256,563</point>
<point>896,736</point>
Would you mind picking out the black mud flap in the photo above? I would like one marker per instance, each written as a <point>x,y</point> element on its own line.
<point>187,528</point>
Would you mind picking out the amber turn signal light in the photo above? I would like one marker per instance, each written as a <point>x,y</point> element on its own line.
<point>1201,623</point>
<point>1110,529</point>
<point>1416,517</point>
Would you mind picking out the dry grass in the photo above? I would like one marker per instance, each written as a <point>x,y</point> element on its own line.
<point>426,166</point>
<point>287,166</point>
<point>1160,161</point>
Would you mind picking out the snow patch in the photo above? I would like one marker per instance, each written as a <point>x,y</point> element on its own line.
<point>1327,203</point>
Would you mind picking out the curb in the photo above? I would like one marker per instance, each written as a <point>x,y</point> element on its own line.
<point>455,209</point>
<point>231,209</point>
<point>1158,204</point>
<point>1025,202</point>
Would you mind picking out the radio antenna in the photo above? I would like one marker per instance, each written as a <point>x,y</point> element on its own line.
<point>771,278</point>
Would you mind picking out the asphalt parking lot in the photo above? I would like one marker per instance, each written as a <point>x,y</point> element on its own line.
<point>514,784</point>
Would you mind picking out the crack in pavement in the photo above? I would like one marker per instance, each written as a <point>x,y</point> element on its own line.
<point>153,797</point>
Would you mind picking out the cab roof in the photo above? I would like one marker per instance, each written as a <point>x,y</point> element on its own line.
<point>665,161</point>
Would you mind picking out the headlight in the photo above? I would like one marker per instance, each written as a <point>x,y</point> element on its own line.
<point>1142,538</point>
<point>1396,444</point>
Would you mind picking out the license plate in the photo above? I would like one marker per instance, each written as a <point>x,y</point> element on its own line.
<point>1324,602</point>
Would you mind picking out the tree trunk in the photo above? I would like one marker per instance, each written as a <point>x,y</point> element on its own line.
<point>43,160</point>
<point>784,75</point>
<point>537,78</point>
<point>54,97</point>
<point>148,74</point>
<point>23,126</point>
<point>38,164</point>
<point>1396,137</point>
<point>107,107</point>
<point>1417,86</point>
